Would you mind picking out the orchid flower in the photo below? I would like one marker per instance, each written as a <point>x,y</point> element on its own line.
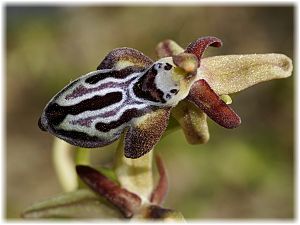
<point>131,94</point>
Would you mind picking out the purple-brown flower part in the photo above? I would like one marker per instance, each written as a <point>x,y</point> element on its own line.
<point>161,190</point>
<point>124,200</point>
<point>145,133</point>
<point>123,57</point>
<point>198,47</point>
<point>207,100</point>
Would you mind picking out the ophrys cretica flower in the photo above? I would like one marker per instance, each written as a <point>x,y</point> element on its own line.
<point>131,94</point>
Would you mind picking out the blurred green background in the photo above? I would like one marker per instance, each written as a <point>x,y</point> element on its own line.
<point>247,172</point>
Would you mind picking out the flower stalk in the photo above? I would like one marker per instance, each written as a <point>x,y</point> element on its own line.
<point>64,165</point>
<point>82,157</point>
<point>134,174</point>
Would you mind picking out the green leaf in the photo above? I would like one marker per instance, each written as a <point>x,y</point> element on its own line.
<point>82,203</point>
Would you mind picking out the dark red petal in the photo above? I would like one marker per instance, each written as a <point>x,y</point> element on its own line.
<point>124,200</point>
<point>198,47</point>
<point>161,189</point>
<point>130,55</point>
<point>206,99</point>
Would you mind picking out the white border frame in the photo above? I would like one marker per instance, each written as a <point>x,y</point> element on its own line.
<point>145,3</point>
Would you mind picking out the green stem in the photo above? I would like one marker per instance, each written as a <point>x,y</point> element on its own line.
<point>82,157</point>
<point>64,165</point>
<point>134,174</point>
